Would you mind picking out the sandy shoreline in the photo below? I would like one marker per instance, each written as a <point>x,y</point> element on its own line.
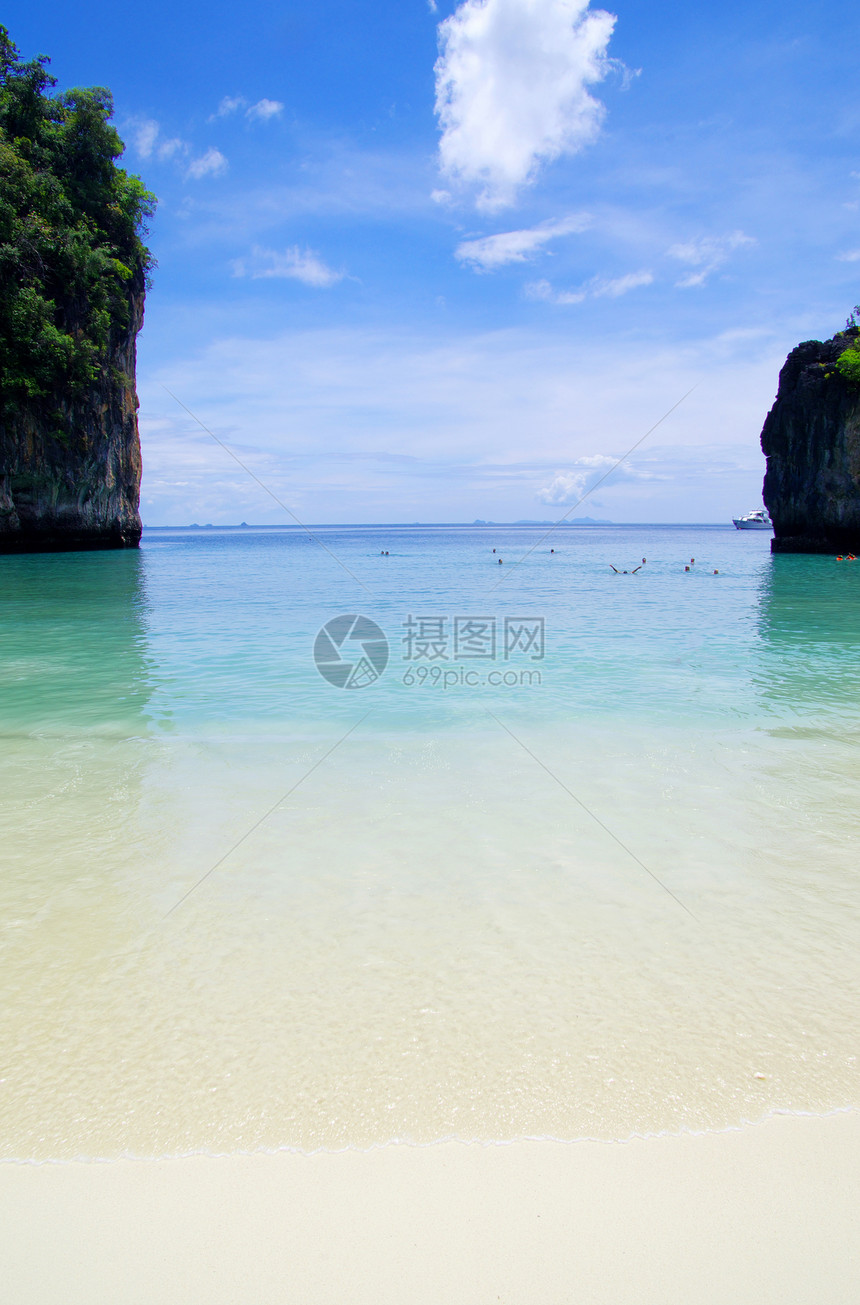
<point>767,1213</point>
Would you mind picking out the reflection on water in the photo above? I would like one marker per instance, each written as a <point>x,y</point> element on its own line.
<point>73,650</point>
<point>808,669</point>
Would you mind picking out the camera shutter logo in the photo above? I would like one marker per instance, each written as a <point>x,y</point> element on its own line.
<point>351,651</point>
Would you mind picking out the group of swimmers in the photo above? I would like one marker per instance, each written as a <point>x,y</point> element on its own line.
<point>849,557</point>
<point>642,563</point>
<point>686,568</point>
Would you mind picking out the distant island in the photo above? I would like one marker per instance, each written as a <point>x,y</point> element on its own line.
<point>577,521</point>
<point>73,272</point>
<point>387,525</point>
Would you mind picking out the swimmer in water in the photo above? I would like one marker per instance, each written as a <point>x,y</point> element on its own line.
<point>500,561</point>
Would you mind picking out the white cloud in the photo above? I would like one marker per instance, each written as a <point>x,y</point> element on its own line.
<point>210,164</point>
<point>228,105</point>
<point>568,487</point>
<point>850,256</point>
<point>294,264</point>
<point>544,290</point>
<point>477,423</point>
<point>620,285</point>
<point>263,110</point>
<point>148,143</point>
<point>706,254</point>
<point>168,148</point>
<point>491,252</point>
<point>597,288</point>
<point>144,137</point>
<point>511,93</point>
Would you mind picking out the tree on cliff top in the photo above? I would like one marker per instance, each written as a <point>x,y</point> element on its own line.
<point>71,227</point>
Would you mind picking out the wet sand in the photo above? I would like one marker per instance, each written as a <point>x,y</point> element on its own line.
<point>766,1213</point>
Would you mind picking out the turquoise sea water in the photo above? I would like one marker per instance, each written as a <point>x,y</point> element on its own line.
<point>579,862</point>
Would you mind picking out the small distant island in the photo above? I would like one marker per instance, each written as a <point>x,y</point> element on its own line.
<point>811,439</point>
<point>73,275</point>
<point>578,521</point>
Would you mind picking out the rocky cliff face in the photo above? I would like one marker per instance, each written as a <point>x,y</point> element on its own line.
<point>811,439</point>
<point>70,472</point>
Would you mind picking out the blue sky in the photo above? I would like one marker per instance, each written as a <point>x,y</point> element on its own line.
<point>445,262</point>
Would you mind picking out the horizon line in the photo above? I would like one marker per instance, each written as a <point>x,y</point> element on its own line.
<point>411,525</point>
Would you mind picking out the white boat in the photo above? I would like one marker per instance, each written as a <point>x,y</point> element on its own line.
<point>756,520</point>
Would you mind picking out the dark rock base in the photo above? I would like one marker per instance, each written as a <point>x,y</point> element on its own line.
<point>809,544</point>
<point>68,542</point>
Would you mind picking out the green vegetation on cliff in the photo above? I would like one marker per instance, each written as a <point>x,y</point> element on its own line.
<point>848,362</point>
<point>71,227</point>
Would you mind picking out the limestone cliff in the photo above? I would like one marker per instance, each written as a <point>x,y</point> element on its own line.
<point>70,470</point>
<point>73,274</point>
<point>811,439</point>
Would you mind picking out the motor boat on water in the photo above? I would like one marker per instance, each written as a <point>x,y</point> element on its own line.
<point>756,520</point>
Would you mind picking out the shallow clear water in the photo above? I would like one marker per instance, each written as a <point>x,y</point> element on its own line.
<point>607,889</point>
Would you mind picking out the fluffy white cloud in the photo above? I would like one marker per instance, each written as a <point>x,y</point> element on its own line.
<point>147,141</point>
<point>850,256</point>
<point>597,288</point>
<point>511,89</point>
<point>144,137</point>
<point>228,105</point>
<point>568,487</point>
<point>263,110</point>
<point>294,263</point>
<point>210,164</point>
<point>706,254</point>
<point>490,252</point>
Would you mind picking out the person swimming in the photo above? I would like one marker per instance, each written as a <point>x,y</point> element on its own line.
<point>633,572</point>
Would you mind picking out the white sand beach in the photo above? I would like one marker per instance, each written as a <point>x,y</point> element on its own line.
<point>768,1214</point>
